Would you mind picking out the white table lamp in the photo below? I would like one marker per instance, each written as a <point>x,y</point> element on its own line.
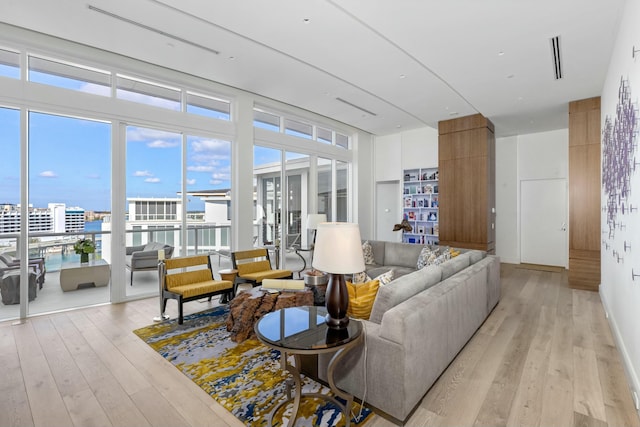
<point>338,251</point>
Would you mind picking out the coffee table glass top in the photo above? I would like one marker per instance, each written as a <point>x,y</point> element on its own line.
<point>304,328</point>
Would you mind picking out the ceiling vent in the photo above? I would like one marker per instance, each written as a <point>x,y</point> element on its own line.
<point>356,106</point>
<point>149,28</point>
<point>555,52</point>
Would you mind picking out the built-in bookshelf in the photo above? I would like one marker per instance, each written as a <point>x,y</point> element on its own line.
<point>420,205</point>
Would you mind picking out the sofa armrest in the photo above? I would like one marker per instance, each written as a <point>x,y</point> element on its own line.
<point>385,380</point>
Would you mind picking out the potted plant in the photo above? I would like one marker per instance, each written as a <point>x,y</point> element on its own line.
<point>84,247</point>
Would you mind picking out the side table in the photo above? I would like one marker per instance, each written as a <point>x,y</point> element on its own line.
<point>230,275</point>
<point>302,331</point>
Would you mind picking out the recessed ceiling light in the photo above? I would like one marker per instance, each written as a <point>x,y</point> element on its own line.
<point>501,53</point>
<point>232,58</point>
<point>402,76</point>
<point>306,20</point>
<point>510,76</point>
<point>453,113</point>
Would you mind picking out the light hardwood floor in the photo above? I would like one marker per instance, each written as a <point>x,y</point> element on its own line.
<point>544,357</point>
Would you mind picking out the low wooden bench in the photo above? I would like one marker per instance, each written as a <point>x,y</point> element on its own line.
<point>190,278</point>
<point>254,265</point>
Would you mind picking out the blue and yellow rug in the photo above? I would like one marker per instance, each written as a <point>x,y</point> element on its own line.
<point>245,378</point>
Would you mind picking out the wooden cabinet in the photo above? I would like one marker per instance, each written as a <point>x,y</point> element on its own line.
<point>584,194</point>
<point>466,153</point>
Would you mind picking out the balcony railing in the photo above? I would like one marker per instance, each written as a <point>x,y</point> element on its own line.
<point>57,250</point>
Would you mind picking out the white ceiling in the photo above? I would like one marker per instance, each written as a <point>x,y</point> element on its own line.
<point>411,63</point>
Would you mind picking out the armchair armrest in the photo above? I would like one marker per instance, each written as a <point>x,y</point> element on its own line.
<point>131,249</point>
<point>144,255</point>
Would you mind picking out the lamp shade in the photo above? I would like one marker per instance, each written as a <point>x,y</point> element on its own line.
<point>314,219</point>
<point>338,248</point>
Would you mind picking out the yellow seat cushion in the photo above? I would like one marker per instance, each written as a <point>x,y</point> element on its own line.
<point>361,298</point>
<point>201,288</point>
<point>253,267</point>
<point>267,274</point>
<point>187,277</point>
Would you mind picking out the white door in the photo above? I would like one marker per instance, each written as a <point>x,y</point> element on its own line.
<point>388,211</point>
<point>543,222</point>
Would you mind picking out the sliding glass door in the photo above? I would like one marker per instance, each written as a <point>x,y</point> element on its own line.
<point>69,197</point>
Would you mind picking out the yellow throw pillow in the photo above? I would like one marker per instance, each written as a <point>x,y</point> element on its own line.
<point>361,298</point>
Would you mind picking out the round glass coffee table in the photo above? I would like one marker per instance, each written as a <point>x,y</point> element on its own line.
<point>300,331</point>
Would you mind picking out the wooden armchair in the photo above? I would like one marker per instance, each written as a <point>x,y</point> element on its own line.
<point>254,265</point>
<point>190,278</point>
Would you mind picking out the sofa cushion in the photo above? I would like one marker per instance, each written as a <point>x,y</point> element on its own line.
<point>401,254</point>
<point>385,278</point>
<point>377,247</point>
<point>367,252</point>
<point>153,246</point>
<point>402,289</point>
<point>361,298</point>
<point>451,267</point>
<point>476,255</point>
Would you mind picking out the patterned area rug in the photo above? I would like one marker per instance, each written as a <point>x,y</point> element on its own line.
<point>245,378</point>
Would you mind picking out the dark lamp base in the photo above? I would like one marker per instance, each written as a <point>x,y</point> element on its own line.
<point>336,323</point>
<point>337,302</point>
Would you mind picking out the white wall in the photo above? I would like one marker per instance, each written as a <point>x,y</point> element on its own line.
<point>417,148</point>
<point>507,212</point>
<point>619,292</point>
<point>533,156</point>
<point>542,155</point>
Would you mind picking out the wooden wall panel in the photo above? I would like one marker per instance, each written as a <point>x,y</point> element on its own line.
<point>467,182</point>
<point>584,194</point>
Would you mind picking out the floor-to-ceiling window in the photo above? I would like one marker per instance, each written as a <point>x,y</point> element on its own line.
<point>153,174</point>
<point>208,183</point>
<point>69,191</point>
<point>190,118</point>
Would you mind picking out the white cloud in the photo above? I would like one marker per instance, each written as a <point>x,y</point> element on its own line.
<point>48,174</point>
<point>191,181</point>
<point>201,168</point>
<point>93,176</point>
<point>159,143</point>
<point>142,173</point>
<point>145,134</point>
<point>221,175</point>
<point>152,180</point>
<point>215,181</point>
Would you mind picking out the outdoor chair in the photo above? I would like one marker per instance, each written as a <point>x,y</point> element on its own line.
<point>145,257</point>
<point>8,261</point>
<point>10,286</point>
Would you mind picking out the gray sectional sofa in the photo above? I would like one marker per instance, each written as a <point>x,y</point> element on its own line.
<point>401,257</point>
<point>418,324</point>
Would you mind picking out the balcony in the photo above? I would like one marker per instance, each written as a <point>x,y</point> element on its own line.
<point>58,250</point>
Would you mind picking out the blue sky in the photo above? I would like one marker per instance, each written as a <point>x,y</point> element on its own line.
<point>70,158</point>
